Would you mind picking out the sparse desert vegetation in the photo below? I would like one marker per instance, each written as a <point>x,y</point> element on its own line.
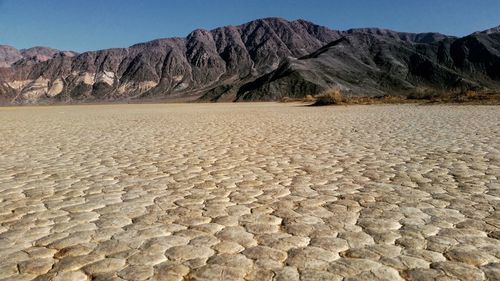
<point>420,96</point>
<point>330,97</point>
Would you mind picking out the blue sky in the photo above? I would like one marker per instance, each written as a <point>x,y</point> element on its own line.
<point>96,24</point>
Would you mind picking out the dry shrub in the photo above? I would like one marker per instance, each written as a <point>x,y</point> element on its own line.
<point>469,95</point>
<point>476,97</point>
<point>393,99</point>
<point>386,99</point>
<point>285,99</point>
<point>420,95</point>
<point>358,100</point>
<point>425,94</point>
<point>309,98</point>
<point>330,97</point>
<point>333,97</point>
<point>452,96</point>
<point>289,99</point>
<point>460,96</point>
<point>472,95</point>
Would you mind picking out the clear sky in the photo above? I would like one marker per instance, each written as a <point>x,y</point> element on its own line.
<point>96,24</point>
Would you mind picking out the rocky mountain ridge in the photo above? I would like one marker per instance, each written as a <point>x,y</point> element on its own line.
<point>170,67</point>
<point>263,59</point>
<point>377,65</point>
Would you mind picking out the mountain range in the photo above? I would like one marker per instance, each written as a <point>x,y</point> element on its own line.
<point>262,60</point>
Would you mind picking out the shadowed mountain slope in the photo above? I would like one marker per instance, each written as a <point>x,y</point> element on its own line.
<point>371,64</point>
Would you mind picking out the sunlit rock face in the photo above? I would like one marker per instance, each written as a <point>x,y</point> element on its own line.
<point>265,59</point>
<point>9,55</point>
<point>193,65</point>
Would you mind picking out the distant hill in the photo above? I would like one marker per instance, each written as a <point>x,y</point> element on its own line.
<point>10,55</point>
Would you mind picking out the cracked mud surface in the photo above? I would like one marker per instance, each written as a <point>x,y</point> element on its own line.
<point>250,192</point>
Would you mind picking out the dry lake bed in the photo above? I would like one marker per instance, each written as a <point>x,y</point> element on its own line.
<point>260,191</point>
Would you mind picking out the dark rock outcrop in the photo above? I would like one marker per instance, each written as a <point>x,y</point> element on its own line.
<point>373,63</point>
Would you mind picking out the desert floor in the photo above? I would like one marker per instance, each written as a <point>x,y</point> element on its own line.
<point>260,191</point>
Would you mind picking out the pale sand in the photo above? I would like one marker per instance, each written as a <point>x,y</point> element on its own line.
<point>250,192</point>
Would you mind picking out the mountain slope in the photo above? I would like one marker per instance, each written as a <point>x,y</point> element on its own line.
<point>369,63</point>
<point>264,59</point>
<point>427,37</point>
<point>9,55</point>
<point>174,67</point>
<point>492,30</point>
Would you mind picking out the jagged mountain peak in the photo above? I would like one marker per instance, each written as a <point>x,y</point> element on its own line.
<point>169,66</point>
<point>376,64</point>
<point>492,30</point>
<point>263,59</point>
<point>425,37</point>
